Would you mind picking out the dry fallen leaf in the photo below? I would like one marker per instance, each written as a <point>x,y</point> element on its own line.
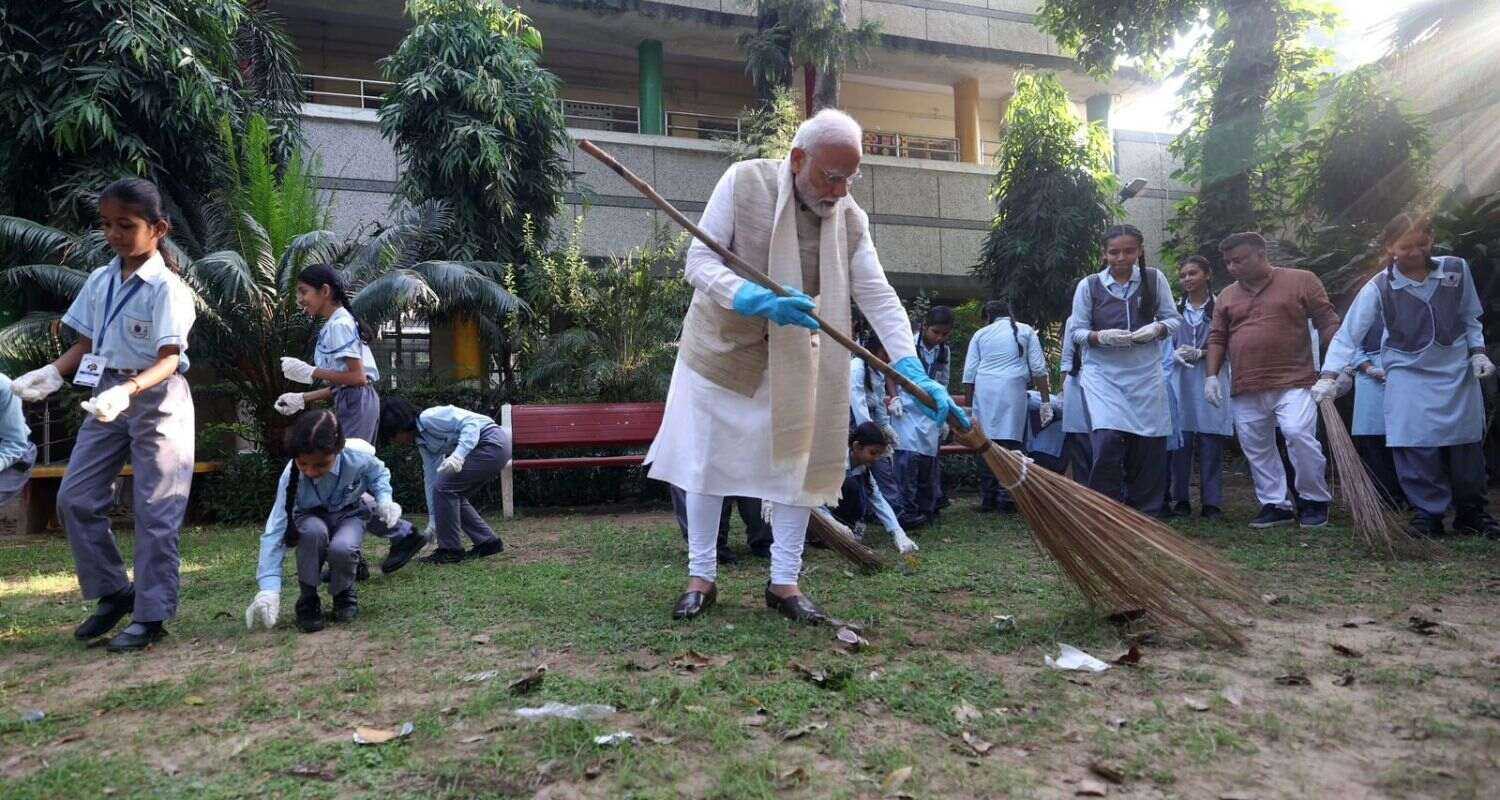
<point>850,640</point>
<point>313,771</point>
<point>757,719</point>
<point>194,700</point>
<point>692,661</point>
<point>1088,787</point>
<point>1293,679</point>
<point>822,678</point>
<point>1423,625</point>
<point>477,677</point>
<point>1355,622</point>
<point>1107,772</point>
<point>473,739</point>
<point>963,712</point>
<point>798,733</point>
<point>1345,650</point>
<point>364,735</point>
<point>787,779</point>
<point>1116,723</point>
<point>894,779</point>
<point>1346,679</point>
<point>593,770</point>
<point>978,745</point>
<point>1271,599</point>
<point>1195,704</point>
<point>1129,658</point>
<point>483,638</point>
<point>526,684</point>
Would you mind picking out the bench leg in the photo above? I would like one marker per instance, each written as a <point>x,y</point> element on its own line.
<point>39,506</point>
<point>508,491</point>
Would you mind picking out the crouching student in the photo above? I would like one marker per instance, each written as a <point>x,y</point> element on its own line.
<point>320,512</point>
<point>861,495</point>
<point>1433,356</point>
<point>17,453</point>
<point>1045,440</point>
<point>461,452</point>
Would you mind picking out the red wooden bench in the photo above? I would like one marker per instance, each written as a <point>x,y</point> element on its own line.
<point>556,427</point>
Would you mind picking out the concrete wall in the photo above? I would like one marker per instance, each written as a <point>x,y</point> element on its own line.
<point>1454,80</point>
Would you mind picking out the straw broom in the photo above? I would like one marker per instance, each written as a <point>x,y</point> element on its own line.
<point>1118,558</point>
<point>823,527</point>
<point>1375,519</point>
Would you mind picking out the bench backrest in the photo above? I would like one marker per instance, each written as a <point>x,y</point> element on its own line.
<point>585,424</point>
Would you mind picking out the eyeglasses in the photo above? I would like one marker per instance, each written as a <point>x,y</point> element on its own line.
<point>835,178</point>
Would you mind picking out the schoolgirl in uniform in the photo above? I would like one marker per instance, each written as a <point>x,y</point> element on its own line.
<point>461,452</point>
<point>861,496</point>
<point>1205,429</point>
<point>340,358</point>
<point>1003,358</point>
<point>868,403</point>
<point>1433,356</point>
<point>132,317</point>
<point>918,440</point>
<point>17,453</point>
<point>1367,429</point>
<point>319,511</point>
<point>1078,448</point>
<point>937,360</point>
<point>1120,315</point>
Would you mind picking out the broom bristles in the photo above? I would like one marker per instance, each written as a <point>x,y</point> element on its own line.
<point>837,536</point>
<point>1118,558</point>
<point>1375,519</point>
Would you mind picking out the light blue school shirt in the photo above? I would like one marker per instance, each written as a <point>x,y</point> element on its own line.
<point>1124,386</point>
<point>15,436</point>
<point>1002,360</point>
<point>155,310</point>
<point>443,431</point>
<point>867,406</point>
<point>355,472</point>
<point>338,340</point>
<point>915,431</point>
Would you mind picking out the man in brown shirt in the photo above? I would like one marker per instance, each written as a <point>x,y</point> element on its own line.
<point>1261,320</point>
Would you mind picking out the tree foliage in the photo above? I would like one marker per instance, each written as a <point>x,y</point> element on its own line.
<point>1054,199</point>
<point>768,129</point>
<point>93,90</point>
<point>811,32</point>
<point>476,123</point>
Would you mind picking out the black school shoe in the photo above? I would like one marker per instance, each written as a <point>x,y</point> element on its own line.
<point>1313,515</point>
<point>1477,523</point>
<point>345,607</point>
<point>796,608</point>
<point>443,555</point>
<point>309,610</point>
<point>1183,509</point>
<point>1211,512</point>
<point>1270,517</point>
<point>136,636</point>
<point>691,604</point>
<point>1428,525</point>
<point>107,614</point>
<point>402,551</point>
<point>485,550</point>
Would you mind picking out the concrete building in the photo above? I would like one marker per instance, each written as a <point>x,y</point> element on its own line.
<point>931,100</point>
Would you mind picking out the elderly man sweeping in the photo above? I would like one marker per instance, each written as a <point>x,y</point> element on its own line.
<point>759,402</point>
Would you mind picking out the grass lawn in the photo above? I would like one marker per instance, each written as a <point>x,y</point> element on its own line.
<point>219,712</point>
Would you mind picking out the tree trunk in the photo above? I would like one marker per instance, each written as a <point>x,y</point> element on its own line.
<point>825,91</point>
<point>1239,108</point>
<point>765,92</point>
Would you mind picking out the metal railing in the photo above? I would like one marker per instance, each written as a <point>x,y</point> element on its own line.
<point>337,91</point>
<point>906,145</point>
<point>691,125</point>
<point>601,116</point>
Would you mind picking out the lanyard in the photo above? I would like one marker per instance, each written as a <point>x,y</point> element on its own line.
<point>322,501</point>
<point>111,316</point>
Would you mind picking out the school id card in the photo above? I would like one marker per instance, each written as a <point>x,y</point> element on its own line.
<point>90,371</point>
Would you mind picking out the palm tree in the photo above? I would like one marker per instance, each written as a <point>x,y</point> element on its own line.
<point>813,32</point>
<point>265,230</point>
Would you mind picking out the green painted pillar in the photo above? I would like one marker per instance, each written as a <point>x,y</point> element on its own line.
<point>1099,107</point>
<point>653,120</point>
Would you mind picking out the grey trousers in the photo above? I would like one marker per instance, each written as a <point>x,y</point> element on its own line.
<point>452,513</point>
<point>1208,450</point>
<point>156,434</point>
<point>1435,478</point>
<point>1130,468</point>
<point>332,536</point>
<point>358,411</point>
<point>1078,455</point>
<point>13,478</point>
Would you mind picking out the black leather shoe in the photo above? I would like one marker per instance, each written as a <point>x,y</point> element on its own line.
<point>345,607</point>
<point>1428,525</point>
<point>1477,523</point>
<point>727,557</point>
<point>796,608</point>
<point>362,569</point>
<point>309,610</point>
<point>402,551</point>
<point>1183,509</point>
<point>107,615</point>
<point>1211,512</point>
<point>485,550</point>
<point>136,636</point>
<point>443,555</point>
<point>691,604</point>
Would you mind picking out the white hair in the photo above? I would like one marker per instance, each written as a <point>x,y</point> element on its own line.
<point>829,126</point>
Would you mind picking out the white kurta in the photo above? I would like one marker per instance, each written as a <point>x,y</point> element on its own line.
<point>718,442</point>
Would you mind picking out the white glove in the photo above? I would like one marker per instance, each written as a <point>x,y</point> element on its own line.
<point>389,513</point>
<point>290,403</point>
<point>109,403</point>
<point>265,607</point>
<point>1212,392</point>
<point>1376,373</point>
<point>1044,414</point>
<point>1149,332</point>
<point>1326,389</point>
<point>895,407</point>
<point>1187,356</point>
<point>34,386</point>
<point>903,544</point>
<point>1483,366</point>
<point>1343,383</point>
<point>451,465</point>
<point>296,370</point>
<point>1114,337</point>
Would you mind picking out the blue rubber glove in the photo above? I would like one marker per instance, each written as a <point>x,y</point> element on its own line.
<point>757,301</point>
<point>913,370</point>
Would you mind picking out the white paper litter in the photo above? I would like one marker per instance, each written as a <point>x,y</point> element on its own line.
<point>1071,658</point>
<point>564,711</point>
<point>476,677</point>
<point>611,739</point>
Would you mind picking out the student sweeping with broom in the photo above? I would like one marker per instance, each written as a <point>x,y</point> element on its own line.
<point>1433,358</point>
<point>759,401</point>
<point>1120,315</point>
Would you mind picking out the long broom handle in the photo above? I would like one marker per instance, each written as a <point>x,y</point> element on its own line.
<point>743,269</point>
